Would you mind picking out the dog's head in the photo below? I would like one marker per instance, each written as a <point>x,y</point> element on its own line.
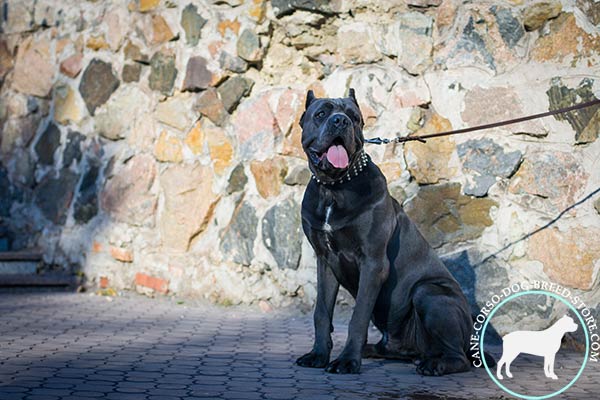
<point>567,324</point>
<point>332,136</point>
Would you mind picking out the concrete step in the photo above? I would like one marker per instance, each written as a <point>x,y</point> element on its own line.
<point>20,268</point>
<point>19,262</point>
<point>19,280</point>
<point>21,255</point>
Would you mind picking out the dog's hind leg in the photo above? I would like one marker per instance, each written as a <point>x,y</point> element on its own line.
<point>445,327</point>
<point>375,350</point>
<point>390,349</point>
<point>509,359</point>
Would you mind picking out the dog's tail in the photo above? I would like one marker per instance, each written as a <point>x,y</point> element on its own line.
<point>489,360</point>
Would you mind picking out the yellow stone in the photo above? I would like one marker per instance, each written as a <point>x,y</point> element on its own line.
<point>161,32</point>
<point>147,5</point>
<point>220,148</point>
<point>428,162</point>
<point>96,43</point>
<point>189,204</point>
<point>566,39</point>
<point>258,10</point>
<point>195,139</point>
<point>67,106</point>
<point>168,148</point>
<point>232,25</point>
<point>268,175</point>
<point>391,170</point>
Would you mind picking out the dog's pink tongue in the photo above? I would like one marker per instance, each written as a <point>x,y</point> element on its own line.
<point>337,156</point>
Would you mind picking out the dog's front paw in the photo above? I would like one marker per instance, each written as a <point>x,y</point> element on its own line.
<point>344,366</point>
<point>313,360</point>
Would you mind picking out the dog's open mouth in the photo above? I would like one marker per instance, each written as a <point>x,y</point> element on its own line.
<point>336,154</point>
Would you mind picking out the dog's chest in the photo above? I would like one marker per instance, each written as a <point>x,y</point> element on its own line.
<point>330,239</point>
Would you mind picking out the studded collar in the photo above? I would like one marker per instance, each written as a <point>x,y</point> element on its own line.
<point>356,168</point>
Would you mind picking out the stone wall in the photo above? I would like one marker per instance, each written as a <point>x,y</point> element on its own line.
<point>154,144</point>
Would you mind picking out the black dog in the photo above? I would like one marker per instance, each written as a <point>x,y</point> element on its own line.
<point>365,242</point>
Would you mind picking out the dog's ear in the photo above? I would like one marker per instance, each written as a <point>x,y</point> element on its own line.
<point>352,95</point>
<point>310,97</point>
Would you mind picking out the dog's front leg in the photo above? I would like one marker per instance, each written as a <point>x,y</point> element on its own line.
<point>327,290</point>
<point>372,276</point>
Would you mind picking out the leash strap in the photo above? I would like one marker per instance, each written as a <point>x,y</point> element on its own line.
<point>423,138</point>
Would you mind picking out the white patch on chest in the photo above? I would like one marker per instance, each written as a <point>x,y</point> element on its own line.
<point>326,226</point>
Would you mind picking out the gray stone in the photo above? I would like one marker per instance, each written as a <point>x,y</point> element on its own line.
<point>197,75</point>
<point>424,3</point>
<point>8,195</point>
<point>248,46</point>
<point>597,205</point>
<point>237,179</point>
<point>72,148</point>
<point>54,195</point>
<point>510,28</point>
<point>24,168</point>
<point>445,216</point>
<point>591,9</point>
<point>282,8</point>
<point>282,233</point>
<point>210,105</point>
<point>414,34</point>
<point>398,193</point>
<point>162,73</point>
<point>586,121</point>
<point>86,205</point>
<point>98,82</point>
<point>298,175</point>
<point>232,91</point>
<point>131,73</point>
<point>47,144</point>
<point>232,63</point>
<point>192,24</point>
<point>487,160</point>
<point>471,41</point>
<point>237,240</point>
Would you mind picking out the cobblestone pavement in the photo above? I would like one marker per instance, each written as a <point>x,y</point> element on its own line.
<point>78,346</point>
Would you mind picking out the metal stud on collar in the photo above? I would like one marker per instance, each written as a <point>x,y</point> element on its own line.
<point>360,164</point>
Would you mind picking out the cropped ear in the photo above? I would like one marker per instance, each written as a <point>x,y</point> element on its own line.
<point>310,97</point>
<point>352,95</point>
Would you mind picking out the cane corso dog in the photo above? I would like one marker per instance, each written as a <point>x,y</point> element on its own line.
<point>365,242</point>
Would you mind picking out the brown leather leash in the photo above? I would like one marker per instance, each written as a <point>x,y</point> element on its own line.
<point>422,138</point>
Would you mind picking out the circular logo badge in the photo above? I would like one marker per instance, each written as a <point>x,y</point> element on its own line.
<point>544,343</point>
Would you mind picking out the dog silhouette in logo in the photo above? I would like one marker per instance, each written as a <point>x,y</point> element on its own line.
<point>539,343</point>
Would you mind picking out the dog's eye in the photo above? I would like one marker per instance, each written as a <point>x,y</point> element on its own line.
<point>353,116</point>
<point>320,114</point>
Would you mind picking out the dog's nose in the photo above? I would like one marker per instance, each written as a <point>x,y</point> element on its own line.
<point>339,120</point>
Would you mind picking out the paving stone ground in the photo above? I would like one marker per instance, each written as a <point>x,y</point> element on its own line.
<point>78,346</point>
